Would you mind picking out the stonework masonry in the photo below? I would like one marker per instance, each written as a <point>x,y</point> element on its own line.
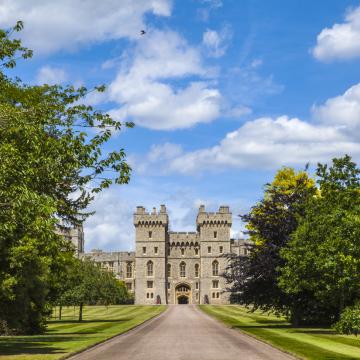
<point>174,267</point>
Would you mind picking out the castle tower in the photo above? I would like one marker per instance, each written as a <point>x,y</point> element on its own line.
<point>151,231</point>
<point>214,235</point>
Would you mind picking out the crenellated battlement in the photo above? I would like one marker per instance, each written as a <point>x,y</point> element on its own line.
<point>151,219</point>
<point>223,217</point>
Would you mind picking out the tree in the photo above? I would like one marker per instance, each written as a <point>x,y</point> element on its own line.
<point>88,284</point>
<point>253,279</point>
<point>323,256</point>
<point>51,164</point>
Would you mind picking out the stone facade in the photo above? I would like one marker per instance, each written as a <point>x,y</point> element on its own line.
<point>175,267</point>
<point>75,235</point>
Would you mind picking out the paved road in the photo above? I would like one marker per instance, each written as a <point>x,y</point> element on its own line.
<point>182,332</point>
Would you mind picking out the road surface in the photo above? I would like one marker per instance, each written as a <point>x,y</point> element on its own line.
<point>182,332</point>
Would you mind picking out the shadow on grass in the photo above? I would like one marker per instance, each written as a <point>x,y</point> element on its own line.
<point>33,345</point>
<point>64,322</point>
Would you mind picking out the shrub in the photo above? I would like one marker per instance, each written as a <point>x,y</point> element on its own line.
<point>349,322</point>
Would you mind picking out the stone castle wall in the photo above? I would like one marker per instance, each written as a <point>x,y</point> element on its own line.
<point>169,266</point>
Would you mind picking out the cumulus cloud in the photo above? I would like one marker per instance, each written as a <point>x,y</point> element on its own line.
<point>342,110</point>
<point>143,90</point>
<point>341,41</point>
<point>51,75</point>
<point>57,25</point>
<point>215,42</point>
<point>269,143</point>
<point>272,142</point>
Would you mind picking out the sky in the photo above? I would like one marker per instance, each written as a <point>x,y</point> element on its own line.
<point>223,94</point>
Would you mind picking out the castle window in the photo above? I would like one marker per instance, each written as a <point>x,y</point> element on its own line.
<point>209,249</point>
<point>129,270</point>
<point>147,295</point>
<point>150,284</point>
<point>150,234</point>
<point>155,250</point>
<point>213,295</point>
<point>196,251</point>
<point>217,295</point>
<point>144,250</point>
<point>197,267</point>
<point>220,249</point>
<point>150,268</point>
<point>215,234</point>
<point>168,270</point>
<point>182,251</point>
<point>215,284</point>
<point>197,286</point>
<point>215,268</point>
<point>182,269</point>
<point>129,286</point>
<point>152,295</point>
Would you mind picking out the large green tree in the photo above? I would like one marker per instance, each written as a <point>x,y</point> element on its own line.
<point>88,284</point>
<point>51,164</point>
<point>253,279</point>
<point>323,256</point>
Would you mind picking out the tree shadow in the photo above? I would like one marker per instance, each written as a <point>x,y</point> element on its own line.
<point>86,321</point>
<point>33,345</point>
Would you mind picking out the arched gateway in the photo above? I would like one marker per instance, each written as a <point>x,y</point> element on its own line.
<point>183,294</point>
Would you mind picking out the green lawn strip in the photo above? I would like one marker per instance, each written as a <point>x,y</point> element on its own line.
<point>67,336</point>
<point>308,343</point>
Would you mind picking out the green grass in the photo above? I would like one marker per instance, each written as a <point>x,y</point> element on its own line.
<point>305,343</point>
<point>67,336</point>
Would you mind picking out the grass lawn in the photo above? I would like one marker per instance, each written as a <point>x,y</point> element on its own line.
<point>305,343</point>
<point>68,336</point>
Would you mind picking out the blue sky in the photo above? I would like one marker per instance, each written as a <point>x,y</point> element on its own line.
<point>223,93</point>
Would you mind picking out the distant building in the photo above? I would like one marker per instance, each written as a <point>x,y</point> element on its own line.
<point>75,235</point>
<point>174,267</point>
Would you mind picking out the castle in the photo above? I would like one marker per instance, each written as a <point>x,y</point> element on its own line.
<point>173,267</point>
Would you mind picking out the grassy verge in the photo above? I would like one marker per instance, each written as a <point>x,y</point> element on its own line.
<point>305,343</point>
<point>67,336</point>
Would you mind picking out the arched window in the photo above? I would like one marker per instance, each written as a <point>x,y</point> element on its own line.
<point>215,268</point>
<point>168,270</point>
<point>182,269</point>
<point>197,267</point>
<point>129,270</point>
<point>150,268</point>
<point>196,251</point>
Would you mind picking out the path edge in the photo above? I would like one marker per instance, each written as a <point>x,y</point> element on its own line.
<point>102,342</point>
<point>254,337</point>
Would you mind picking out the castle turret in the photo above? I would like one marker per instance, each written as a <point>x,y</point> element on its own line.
<point>151,234</point>
<point>214,235</point>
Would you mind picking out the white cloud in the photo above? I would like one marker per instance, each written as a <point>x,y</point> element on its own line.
<point>342,41</point>
<point>342,111</point>
<point>273,142</point>
<point>145,95</point>
<point>269,143</point>
<point>57,25</point>
<point>51,75</point>
<point>209,6</point>
<point>215,42</point>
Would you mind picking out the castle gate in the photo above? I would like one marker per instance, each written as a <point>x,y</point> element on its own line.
<point>183,294</point>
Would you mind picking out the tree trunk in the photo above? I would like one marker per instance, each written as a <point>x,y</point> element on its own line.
<point>80,312</point>
<point>60,310</point>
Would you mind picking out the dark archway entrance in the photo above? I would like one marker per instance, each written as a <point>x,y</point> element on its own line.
<point>183,300</point>
<point>183,294</point>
